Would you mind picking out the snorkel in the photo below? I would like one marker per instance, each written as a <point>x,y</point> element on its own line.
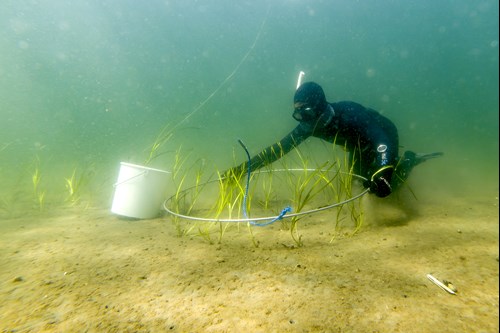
<point>299,79</point>
<point>296,114</point>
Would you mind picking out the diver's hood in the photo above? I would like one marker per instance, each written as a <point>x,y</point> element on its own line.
<point>309,102</point>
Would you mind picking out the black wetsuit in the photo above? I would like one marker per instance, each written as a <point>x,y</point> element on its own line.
<point>371,139</point>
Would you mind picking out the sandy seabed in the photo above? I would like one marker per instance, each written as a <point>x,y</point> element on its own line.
<point>85,270</point>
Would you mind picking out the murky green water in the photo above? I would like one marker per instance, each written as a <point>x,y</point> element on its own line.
<point>85,85</point>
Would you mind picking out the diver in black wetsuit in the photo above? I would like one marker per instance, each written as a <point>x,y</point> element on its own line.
<point>371,139</point>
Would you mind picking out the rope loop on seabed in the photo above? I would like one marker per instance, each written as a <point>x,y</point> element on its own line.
<point>269,219</point>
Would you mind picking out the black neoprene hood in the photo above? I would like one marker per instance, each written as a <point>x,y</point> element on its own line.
<point>310,94</point>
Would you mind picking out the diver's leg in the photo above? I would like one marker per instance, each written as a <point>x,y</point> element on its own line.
<point>407,163</point>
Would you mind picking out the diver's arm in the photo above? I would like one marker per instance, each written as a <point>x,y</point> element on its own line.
<point>386,154</point>
<point>271,153</point>
<point>380,150</point>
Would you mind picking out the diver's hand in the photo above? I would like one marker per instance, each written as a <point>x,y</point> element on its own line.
<point>380,184</point>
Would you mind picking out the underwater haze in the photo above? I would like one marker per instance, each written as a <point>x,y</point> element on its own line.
<point>85,85</point>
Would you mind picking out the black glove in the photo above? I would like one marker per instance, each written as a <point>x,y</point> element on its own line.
<point>380,183</point>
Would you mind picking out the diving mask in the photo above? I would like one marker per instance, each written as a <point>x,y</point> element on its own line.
<point>304,112</point>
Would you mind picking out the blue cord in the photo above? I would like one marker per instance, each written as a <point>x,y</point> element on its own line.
<point>285,210</point>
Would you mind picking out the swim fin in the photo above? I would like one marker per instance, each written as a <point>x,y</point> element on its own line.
<point>419,158</point>
<point>408,162</point>
<point>412,159</point>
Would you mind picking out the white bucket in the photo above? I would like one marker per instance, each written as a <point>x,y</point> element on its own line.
<point>139,191</point>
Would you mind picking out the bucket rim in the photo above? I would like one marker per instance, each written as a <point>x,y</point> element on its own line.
<point>143,167</point>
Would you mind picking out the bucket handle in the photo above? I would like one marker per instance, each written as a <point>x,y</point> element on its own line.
<point>126,180</point>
